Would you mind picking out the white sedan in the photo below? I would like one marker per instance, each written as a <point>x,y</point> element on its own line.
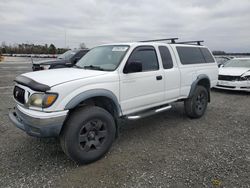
<point>235,75</point>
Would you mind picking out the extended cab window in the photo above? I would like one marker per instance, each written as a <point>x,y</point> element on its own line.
<point>194,55</point>
<point>166,57</point>
<point>207,55</point>
<point>146,55</point>
<point>190,55</point>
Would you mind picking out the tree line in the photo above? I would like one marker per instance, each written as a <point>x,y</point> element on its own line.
<point>226,53</point>
<point>30,49</point>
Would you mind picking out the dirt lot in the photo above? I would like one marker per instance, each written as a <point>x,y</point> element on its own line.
<point>166,150</point>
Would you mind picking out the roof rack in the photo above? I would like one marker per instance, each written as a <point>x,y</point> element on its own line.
<point>191,42</point>
<point>157,40</point>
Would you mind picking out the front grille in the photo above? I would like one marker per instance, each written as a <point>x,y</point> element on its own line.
<point>19,94</point>
<point>229,78</point>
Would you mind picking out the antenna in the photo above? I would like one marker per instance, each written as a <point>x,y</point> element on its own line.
<point>157,40</point>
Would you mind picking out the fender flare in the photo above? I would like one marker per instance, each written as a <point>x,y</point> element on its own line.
<point>93,93</point>
<point>195,83</point>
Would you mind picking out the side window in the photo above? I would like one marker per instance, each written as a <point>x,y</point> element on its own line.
<point>190,55</point>
<point>166,57</point>
<point>146,55</point>
<point>78,56</point>
<point>81,53</point>
<point>207,55</point>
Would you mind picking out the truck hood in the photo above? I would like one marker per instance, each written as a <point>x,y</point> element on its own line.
<point>58,76</point>
<point>49,61</point>
<point>233,71</point>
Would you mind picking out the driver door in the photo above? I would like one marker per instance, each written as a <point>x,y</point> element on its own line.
<point>144,89</point>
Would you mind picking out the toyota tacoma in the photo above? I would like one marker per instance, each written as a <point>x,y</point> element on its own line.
<point>84,104</point>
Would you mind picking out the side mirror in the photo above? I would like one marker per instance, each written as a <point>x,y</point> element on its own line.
<point>135,66</point>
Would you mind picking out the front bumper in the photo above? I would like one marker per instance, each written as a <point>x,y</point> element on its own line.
<point>233,85</point>
<point>36,123</point>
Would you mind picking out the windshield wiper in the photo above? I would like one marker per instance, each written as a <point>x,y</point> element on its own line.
<point>93,67</point>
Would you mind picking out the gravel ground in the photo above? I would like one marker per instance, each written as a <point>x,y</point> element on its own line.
<point>165,150</point>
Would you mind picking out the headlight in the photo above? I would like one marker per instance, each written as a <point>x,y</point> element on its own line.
<point>45,67</point>
<point>42,100</point>
<point>245,78</point>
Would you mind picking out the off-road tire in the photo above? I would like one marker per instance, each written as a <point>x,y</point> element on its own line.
<point>196,106</point>
<point>88,134</point>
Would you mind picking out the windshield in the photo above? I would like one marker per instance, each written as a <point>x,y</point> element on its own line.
<point>238,63</point>
<point>221,60</point>
<point>67,55</point>
<point>105,58</point>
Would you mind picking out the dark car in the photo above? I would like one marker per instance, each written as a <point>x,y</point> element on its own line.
<point>67,59</point>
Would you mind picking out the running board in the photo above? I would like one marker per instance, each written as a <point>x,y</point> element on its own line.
<point>143,114</point>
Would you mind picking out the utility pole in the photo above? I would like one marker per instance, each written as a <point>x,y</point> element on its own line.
<point>65,38</point>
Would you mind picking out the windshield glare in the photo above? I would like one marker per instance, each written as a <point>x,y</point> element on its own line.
<point>106,58</point>
<point>238,63</point>
<point>67,55</point>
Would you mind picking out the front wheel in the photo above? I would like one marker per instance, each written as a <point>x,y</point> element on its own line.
<point>196,106</point>
<point>88,134</point>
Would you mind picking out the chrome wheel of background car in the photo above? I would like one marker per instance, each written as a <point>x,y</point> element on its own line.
<point>92,135</point>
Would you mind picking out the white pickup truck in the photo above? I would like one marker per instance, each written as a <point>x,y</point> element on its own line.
<point>83,105</point>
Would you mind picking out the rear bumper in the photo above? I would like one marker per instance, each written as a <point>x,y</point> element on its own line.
<point>38,124</point>
<point>233,85</point>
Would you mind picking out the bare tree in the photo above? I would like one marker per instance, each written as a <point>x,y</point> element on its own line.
<point>82,45</point>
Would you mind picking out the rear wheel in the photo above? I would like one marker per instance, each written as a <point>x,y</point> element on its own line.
<point>88,134</point>
<point>196,106</point>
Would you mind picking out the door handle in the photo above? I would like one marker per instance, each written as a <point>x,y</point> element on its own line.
<point>158,77</point>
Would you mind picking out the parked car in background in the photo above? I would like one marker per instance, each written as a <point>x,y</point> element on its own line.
<point>67,59</point>
<point>221,60</point>
<point>235,75</point>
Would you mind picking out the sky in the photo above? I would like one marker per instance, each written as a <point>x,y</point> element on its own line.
<point>223,24</point>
